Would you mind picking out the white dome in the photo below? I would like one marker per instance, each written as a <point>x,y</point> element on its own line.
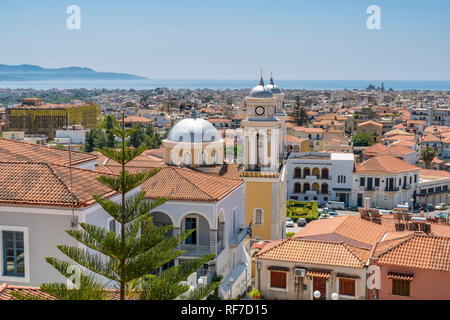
<point>273,87</point>
<point>260,91</point>
<point>193,130</point>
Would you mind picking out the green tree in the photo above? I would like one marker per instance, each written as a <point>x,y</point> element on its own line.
<point>362,139</point>
<point>89,143</point>
<point>109,123</point>
<point>137,137</point>
<point>427,155</point>
<point>299,113</point>
<point>131,256</point>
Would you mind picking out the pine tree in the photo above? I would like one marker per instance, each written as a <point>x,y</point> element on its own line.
<point>129,257</point>
<point>89,143</point>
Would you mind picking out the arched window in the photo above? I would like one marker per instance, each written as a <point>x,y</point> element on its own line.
<point>324,188</point>
<point>316,172</point>
<point>259,217</point>
<point>289,148</point>
<point>297,172</point>
<point>306,187</point>
<point>187,159</point>
<point>297,188</point>
<point>306,172</point>
<point>315,186</point>
<point>325,173</point>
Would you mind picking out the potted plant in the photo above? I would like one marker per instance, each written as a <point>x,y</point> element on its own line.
<point>255,294</point>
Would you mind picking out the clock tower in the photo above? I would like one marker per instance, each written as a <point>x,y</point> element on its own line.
<point>263,168</point>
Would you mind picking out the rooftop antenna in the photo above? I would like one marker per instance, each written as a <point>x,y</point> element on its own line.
<point>74,220</point>
<point>271,78</point>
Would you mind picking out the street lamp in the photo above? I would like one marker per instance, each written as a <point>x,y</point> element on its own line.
<point>334,296</point>
<point>316,294</point>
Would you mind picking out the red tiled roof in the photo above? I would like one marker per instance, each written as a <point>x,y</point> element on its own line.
<point>44,184</point>
<point>186,184</point>
<point>419,251</point>
<point>350,229</point>
<point>12,150</point>
<point>7,291</point>
<point>312,252</point>
<point>385,165</point>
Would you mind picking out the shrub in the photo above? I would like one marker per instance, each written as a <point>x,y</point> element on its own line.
<point>290,234</point>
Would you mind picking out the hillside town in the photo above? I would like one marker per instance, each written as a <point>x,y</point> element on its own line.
<point>295,194</point>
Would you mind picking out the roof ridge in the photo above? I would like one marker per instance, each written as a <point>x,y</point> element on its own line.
<point>406,239</point>
<point>347,246</point>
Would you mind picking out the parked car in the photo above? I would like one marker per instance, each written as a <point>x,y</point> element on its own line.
<point>336,205</point>
<point>440,206</point>
<point>301,222</point>
<point>428,207</point>
<point>332,213</point>
<point>289,222</point>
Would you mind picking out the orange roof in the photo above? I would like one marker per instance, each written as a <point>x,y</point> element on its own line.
<point>218,120</point>
<point>350,229</point>
<point>136,119</point>
<point>44,184</point>
<point>370,122</point>
<point>430,138</point>
<point>313,252</point>
<point>186,184</point>
<point>380,149</point>
<point>418,251</point>
<point>385,165</point>
<point>7,293</point>
<point>292,139</point>
<point>12,150</point>
<point>434,173</point>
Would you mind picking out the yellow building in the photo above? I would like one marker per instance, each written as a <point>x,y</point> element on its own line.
<point>372,128</point>
<point>264,170</point>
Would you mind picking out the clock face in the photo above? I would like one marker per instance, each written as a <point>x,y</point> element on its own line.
<point>259,111</point>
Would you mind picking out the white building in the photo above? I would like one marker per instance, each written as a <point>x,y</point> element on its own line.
<point>320,176</point>
<point>387,181</point>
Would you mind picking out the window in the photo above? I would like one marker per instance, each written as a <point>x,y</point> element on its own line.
<point>362,182</point>
<point>259,218</point>
<point>13,253</point>
<point>400,287</point>
<point>191,223</point>
<point>278,279</point>
<point>112,225</point>
<point>347,287</point>
<point>377,182</point>
<point>415,178</point>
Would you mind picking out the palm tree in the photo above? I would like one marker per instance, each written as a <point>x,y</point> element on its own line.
<point>427,156</point>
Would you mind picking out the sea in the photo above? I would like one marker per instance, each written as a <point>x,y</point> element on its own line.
<point>225,84</point>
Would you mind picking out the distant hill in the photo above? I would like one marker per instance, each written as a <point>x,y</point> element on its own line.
<point>28,72</point>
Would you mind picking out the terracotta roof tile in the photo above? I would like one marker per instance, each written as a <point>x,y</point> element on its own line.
<point>186,184</point>
<point>385,165</point>
<point>350,229</point>
<point>12,150</point>
<point>313,252</point>
<point>44,184</point>
<point>419,251</point>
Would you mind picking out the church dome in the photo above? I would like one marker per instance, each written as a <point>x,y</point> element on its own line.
<point>193,130</point>
<point>273,87</point>
<point>261,91</point>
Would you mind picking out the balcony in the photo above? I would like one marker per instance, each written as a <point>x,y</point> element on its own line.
<point>194,250</point>
<point>238,238</point>
<point>392,189</point>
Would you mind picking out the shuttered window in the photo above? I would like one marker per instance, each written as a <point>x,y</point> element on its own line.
<point>347,287</point>
<point>278,279</point>
<point>400,287</point>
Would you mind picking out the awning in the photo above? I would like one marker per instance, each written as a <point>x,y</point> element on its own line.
<point>318,274</point>
<point>276,268</point>
<point>400,276</point>
<point>347,276</point>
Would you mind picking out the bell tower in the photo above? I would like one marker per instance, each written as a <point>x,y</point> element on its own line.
<point>263,171</point>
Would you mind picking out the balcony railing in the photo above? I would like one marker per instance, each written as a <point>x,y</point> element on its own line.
<point>239,237</point>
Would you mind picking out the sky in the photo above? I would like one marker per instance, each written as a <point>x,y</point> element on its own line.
<point>230,39</point>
